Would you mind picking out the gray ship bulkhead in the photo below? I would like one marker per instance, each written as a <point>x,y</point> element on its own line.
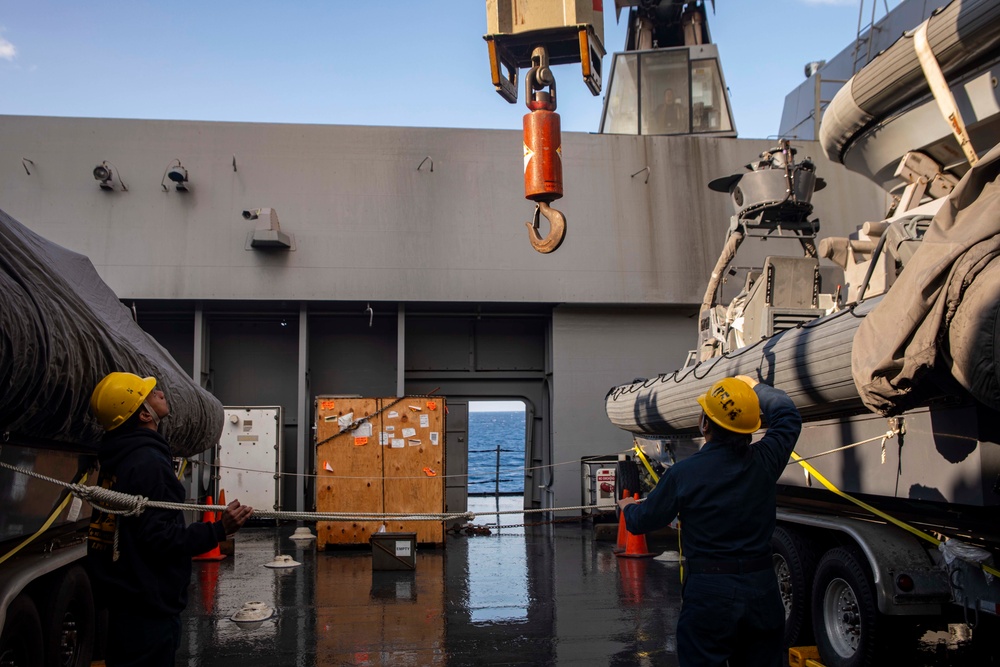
<point>460,303</point>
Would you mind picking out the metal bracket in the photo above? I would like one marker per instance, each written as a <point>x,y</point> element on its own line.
<point>505,84</point>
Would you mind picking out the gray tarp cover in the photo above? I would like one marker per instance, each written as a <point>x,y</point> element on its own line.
<point>61,330</point>
<point>902,341</point>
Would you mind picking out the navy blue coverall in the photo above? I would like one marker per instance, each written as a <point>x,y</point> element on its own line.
<point>725,497</point>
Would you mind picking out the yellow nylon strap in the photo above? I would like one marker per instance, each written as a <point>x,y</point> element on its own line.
<point>905,526</point>
<point>645,463</point>
<point>45,526</point>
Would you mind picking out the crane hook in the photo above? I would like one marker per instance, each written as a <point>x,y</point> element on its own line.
<point>557,229</point>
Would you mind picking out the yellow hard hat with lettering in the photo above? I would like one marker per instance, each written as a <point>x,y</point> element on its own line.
<point>733,405</point>
<point>118,396</point>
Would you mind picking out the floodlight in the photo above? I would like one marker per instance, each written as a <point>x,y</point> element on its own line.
<point>104,174</point>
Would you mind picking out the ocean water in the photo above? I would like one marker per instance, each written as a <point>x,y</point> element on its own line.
<point>486,431</point>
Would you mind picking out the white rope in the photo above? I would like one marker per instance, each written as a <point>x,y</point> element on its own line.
<point>123,504</point>
<point>885,436</point>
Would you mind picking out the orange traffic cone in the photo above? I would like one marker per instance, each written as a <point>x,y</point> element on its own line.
<point>635,545</point>
<point>222,501</point>
<point>213,553</point>
<point>622,531</point>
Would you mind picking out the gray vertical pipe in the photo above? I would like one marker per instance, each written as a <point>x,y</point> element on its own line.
<point>302,439</point>
<point>199,346</point>
<point>200,377</point>
<point>401,350</point>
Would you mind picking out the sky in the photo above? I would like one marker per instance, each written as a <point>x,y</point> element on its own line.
<point>496,406</point>
<point>394,62</point>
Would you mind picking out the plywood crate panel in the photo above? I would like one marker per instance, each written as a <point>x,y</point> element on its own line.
<point>348,475</point>
<point>413,464</point>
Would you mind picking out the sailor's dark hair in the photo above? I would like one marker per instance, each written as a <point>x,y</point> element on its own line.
<point>724,435</point>
<point>127,426</point>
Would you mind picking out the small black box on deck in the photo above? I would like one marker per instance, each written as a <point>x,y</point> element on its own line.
<point>394,551</point>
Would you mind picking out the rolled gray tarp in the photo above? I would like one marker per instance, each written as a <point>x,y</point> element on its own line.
<point>811,363</point>
<point>62,329</point>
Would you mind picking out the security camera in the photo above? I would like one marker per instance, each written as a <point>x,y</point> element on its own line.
<point>251,215</point>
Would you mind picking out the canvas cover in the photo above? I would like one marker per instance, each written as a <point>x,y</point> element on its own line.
<point>901,356</point>
<point>62,329</point>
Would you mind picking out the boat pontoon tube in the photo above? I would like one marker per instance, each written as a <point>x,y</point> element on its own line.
<point>812,363</point>
<point>962,35</point>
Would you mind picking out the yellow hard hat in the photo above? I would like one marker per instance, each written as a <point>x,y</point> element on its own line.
<point>118,396</point>
<point>733,405</point>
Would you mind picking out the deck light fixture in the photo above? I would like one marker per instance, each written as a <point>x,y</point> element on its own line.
<point>105,173</point>
<point>177,173</point>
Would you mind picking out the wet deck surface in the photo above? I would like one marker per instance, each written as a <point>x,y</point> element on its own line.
<point>538,596</point>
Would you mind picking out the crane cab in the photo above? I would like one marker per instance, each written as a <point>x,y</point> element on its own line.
<point>668,91</point>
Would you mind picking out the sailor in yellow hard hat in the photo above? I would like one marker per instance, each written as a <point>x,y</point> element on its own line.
<point>141,565</point>
<point>725,495</point>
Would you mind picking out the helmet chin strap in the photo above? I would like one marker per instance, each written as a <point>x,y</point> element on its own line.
<point>152,413</point>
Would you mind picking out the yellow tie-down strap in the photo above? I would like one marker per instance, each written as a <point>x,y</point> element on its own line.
<point>48,522</point>
<point>902,524</point>
<point>645,463</point>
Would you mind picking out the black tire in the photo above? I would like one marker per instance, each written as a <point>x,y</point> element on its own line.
<point>795,566</point>
<point>68,620</point>
<point>846,621</point>
<point>626,477</point>
<point>21,639</point>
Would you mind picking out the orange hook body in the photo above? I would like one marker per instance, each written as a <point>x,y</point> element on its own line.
<point>557,229</point>
<point>543,178</point>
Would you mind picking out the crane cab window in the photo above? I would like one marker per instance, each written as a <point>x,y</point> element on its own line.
<point>709,110</point>
<point>667,91</point>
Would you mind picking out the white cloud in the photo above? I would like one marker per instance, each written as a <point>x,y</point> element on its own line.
<point>7,50</point>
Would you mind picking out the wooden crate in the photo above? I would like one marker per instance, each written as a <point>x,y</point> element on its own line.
<point>391,466</point>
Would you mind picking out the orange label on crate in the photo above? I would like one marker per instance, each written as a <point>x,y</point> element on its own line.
<point>430,472</point>
<point>432,405</point>
<point>327,405</point>
<point>361,440</point>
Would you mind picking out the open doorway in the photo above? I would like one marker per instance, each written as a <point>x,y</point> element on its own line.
<point>496,455</point>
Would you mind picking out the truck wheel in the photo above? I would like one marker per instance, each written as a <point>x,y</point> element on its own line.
<point>69,620</point>
<point>626,477</point>
<point>794,565</point>
<point>845,612</point>
<point>21,639</point>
